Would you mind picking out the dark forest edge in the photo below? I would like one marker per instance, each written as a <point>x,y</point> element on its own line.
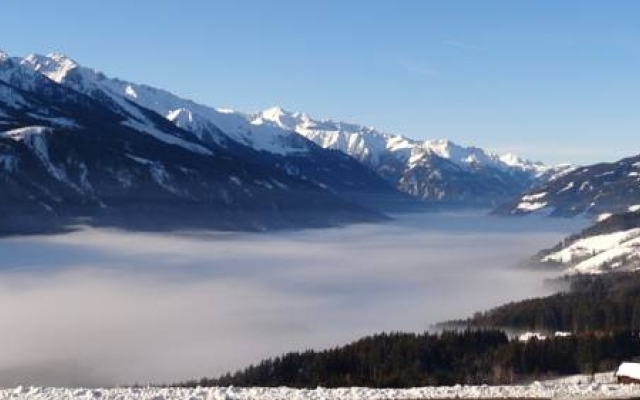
<point>603,312</point>
<point>592,303</point>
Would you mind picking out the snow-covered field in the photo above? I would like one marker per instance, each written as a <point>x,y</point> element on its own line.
<point>596,254</point>
<point>602,378</point>
<point>536,390</point>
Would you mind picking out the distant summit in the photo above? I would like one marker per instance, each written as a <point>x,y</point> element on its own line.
<point>433,170</point>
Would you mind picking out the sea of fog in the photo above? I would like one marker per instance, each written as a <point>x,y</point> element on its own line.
<point>104,307</point>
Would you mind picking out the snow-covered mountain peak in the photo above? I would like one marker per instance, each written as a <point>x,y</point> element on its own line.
<point>410,163</point>
<point>275,113</point>
<point>68,72</point>
<point>282,118</point>
<point>63,61</point>
<point>446,149</point>
<point>371,145</point>
<point>461,155</point>
<point>512,159</point>
<point>444,144</point>
<point>14,72</point>
<point>62,58</point>
<point>55,66</point>
<point>202,121</point>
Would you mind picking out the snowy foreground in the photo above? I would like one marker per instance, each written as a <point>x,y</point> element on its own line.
<point>536,390</point>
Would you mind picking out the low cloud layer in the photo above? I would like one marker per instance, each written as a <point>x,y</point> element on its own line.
<point>103,307</point>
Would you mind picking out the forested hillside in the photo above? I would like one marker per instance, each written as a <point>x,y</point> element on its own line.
<point>602,303</point>
<point>413,360</point>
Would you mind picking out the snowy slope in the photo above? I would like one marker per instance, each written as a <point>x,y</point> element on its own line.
<point>597,254</point>
<point>20,74</point>
<point>613,244</point>
<point>208,123</point>
<point>594,190</point>
<point>537,390</point>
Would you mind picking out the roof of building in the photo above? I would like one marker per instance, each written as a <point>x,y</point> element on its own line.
<point>629,370</point>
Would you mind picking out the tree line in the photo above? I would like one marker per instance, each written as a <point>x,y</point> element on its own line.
<point>592,304</point>
<point>602,312</point>
<point>401,360</point>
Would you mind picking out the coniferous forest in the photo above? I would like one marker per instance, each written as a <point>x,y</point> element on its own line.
<point>403,360</point>
<point>602,312</point>
<point>599,303</point>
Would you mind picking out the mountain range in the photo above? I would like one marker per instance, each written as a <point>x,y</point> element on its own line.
<point>69,154</point>
<point>76,144</point>
<point>436,171</point>
<point>593,191</point>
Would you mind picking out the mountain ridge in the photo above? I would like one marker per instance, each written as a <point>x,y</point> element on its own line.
<point>358,165</point>
<point>437,172</point>
<point>69,157</point>
<point>433,170</point>
<point>592,190</point>
<point>233,131</point>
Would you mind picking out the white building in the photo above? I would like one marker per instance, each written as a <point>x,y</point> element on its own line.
<point>628,372</point>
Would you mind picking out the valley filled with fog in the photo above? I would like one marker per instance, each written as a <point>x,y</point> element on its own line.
<point>103,307</point>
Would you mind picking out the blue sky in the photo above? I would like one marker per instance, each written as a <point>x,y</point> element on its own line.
<point>551,80</point>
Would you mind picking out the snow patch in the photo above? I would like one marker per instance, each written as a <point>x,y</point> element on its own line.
<point>585,186</point>
<point>129,91</point>
<point>568,187</point>
<point>140,160</point>
<point>534,197</point>
<point>604,217</point>
<point>23,133</point>
<point>527,336</point>
<point>531,206</point>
